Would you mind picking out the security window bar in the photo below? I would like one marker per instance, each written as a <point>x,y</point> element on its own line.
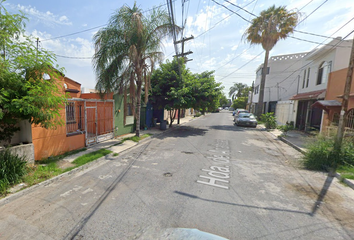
<point>70,112</point>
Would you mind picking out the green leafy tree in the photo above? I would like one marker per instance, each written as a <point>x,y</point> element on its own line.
<point>205,92</point>
<point>223,100</point>
<point>267,29</point>
<point>24,93</point>
<point>168,87</point>
<point>127,49</point>
<point>238,90</point>
<point>240,102</point>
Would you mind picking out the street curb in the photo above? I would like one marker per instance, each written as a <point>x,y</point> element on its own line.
<point>292,144</point>
<point>20,193</point>
<point>344,180</point>
<point>337,175</point>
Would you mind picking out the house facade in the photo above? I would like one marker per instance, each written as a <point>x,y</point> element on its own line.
<point>331,105</point>
<point>281,83</point>
<point>86,119</point>
<point>313,80</point>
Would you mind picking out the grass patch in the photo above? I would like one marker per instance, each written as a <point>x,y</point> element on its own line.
<point>346,172</point>
<point>39,173</point>
<point>137,139</point>
<point>46,169</point>
<point>89,157</point>
<point>59,157</point>
<point>115,154</point>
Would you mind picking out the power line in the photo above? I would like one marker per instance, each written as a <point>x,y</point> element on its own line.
<point>313,34</point>
<point>72,57</point>
<point>313,11</point>
<point>326,44</point>
<point>257,16</point>
<point>90,29</point>
<point>231,11</point>
<point>70,34</point>
<point>220,21</point>
<point>243,65</point>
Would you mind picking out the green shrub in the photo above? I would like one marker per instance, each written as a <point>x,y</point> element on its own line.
<point>317,156</point>
<point>12,168</point>
<point>269,120</point>
<point>286,128</point>
<point>321,156</point>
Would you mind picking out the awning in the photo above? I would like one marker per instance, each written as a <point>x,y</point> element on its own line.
<point>310,95</point>
<point>72,90</point>
<point>327,105</point>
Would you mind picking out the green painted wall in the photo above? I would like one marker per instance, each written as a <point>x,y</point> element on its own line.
<point>119,117</point>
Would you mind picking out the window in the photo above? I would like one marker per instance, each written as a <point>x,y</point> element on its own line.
<point>350,119</point>
<point>259,72</point>
<point>256,89</point>
<point>304,79</point>
<point>322,73</point>
<point>129,109</point>
<point>308,78</point>
<point>70,112</point>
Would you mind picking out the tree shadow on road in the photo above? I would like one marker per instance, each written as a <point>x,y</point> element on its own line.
<point>182,132</point>
<point>323,192</point>
<point>233,128</point>
<point>241,205</point>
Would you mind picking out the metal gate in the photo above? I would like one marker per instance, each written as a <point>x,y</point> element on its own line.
<point>93,117</point>
<point>91,125</point>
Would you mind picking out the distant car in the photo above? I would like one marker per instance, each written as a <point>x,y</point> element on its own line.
<point>226,108</point>
<point>231,109</point>
<point>238,111</point>
<point>245,119</point>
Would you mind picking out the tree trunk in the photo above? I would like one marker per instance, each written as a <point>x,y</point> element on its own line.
<point>138,106</point>
<point>261,87</point>
<point>344,110</point>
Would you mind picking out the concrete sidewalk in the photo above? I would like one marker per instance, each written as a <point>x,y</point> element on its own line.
<point>300,140</point>
<point>115,144</point>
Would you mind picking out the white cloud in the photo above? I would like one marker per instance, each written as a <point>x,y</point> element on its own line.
<point>74,48</point>
<point>247,56</point>
<point>234,47</point>
<point>47,17</point>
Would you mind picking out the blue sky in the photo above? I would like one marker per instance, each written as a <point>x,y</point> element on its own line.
<point>217,44</point>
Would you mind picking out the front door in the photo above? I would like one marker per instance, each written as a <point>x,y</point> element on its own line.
<point>91,130</point>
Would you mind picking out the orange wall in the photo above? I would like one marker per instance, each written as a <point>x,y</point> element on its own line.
<point>71,84</point>
<point>96,96</point>
<point>52,142</point>
<point>335,88</point>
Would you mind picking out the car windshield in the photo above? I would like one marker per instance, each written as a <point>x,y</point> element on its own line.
<point>246,115</point>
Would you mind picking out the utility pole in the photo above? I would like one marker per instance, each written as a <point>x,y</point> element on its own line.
<point>175,42</point>
<point>343,112</point>
<point>183,54</point>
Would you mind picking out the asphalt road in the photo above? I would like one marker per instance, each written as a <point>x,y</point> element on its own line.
<point>234,182</point>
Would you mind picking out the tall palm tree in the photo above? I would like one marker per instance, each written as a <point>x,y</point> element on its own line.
<point>126,50</point>
<point>267,29</point>
<point>237,90</point>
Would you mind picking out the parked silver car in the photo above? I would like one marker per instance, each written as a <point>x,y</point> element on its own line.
<point>245,119</point>
<point>238,111</point>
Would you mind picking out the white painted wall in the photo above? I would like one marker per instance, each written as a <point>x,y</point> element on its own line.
<point>285,112</point>
<point>282,81</point>
<point>336,58</point>
<point>22,136</point>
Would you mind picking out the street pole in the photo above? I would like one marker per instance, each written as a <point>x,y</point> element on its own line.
<point>343,112</point>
